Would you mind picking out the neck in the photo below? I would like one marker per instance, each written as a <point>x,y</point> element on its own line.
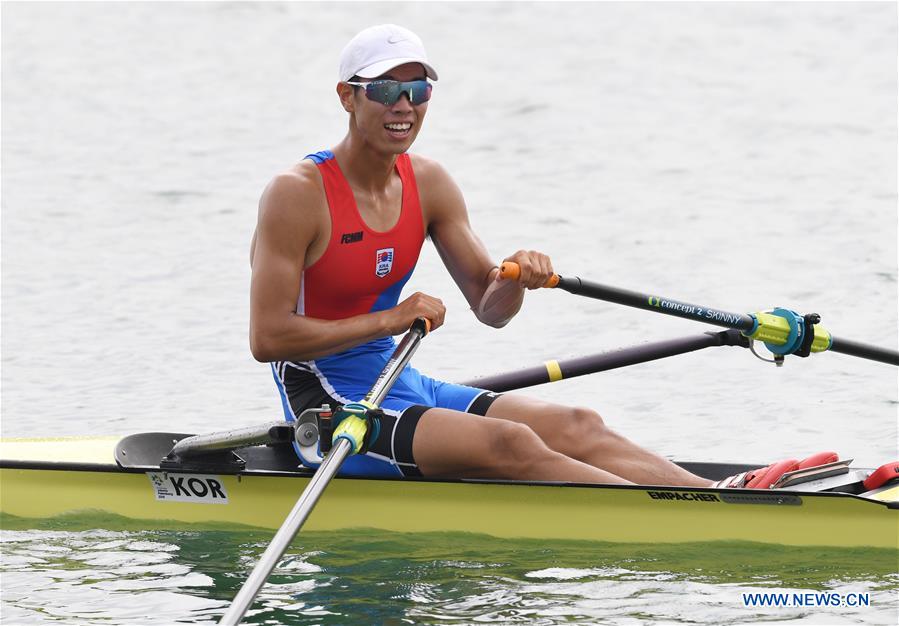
<point>363,167</point>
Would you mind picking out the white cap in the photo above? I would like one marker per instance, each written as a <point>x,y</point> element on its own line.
<point>378,49</point>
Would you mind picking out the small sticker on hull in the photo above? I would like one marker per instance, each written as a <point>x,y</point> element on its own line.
<point>196,488</point>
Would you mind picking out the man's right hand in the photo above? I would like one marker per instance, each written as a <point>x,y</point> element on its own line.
<point>400,317</point>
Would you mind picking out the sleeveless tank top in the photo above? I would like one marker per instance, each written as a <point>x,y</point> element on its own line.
<point>362,270</point>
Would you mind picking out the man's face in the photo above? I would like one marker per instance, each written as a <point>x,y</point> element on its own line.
<point>389,128</point>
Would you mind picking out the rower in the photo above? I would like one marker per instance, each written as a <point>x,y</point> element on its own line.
<point>339,235</point>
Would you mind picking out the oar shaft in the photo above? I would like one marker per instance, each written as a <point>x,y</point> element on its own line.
<point>558,370</point>
<point>397,362</point>
<point>865,351</point>
<point>648,302</point>
<point>657,304</point>
<point>783,331</point>
<point>737,321</point>
<point>323,475</point>
<point>286,533</point>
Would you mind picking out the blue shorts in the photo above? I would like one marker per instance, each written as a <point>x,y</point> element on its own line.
<point>347,377</point>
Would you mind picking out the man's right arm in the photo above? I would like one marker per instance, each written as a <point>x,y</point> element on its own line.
<point>292,218</point>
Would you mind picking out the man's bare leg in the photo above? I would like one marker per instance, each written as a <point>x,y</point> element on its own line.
<point>581,434</point>
<point>450,443</point>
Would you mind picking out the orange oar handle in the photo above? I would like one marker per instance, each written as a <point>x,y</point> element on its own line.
<point>422,324</point>
<point>510,270</point>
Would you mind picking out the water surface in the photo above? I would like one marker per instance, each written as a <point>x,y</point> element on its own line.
<point>738,155</point>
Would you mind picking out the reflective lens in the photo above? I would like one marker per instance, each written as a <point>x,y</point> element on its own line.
<point>387,92</point>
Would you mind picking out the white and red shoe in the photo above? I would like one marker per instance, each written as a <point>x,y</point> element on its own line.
<point>764,477</point>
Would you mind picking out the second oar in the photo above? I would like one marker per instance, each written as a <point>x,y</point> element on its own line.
<point>350,436</point>
<point>783,331</point>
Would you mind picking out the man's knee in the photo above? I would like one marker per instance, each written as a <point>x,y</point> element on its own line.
<point>583,423</point>
<point>514,446</point>
<point>581,432</point>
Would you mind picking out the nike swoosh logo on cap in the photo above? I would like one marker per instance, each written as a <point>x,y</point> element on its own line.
<point>395,39</point>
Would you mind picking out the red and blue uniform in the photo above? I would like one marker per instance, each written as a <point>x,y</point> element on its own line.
<point>362,271</point>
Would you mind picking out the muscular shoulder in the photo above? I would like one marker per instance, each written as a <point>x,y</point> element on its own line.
<point>429,174</point>
<point>295,195</point>
<point>438,192</point>
<point>292,212</point>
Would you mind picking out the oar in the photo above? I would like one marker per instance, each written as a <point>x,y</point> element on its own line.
<point>348,438</point>
<point>554,370</point>
<point>783,331</point>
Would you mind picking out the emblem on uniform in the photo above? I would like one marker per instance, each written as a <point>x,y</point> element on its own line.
<point>383,262</point>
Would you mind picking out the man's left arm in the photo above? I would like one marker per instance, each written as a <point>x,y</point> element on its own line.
<point>493,301</point>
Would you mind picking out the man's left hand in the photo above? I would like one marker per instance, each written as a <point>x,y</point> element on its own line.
<point>535,268</point>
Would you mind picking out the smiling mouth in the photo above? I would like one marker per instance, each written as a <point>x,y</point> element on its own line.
<point>399,128</point>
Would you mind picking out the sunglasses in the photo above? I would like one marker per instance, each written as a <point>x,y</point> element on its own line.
<point>387,92</point>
